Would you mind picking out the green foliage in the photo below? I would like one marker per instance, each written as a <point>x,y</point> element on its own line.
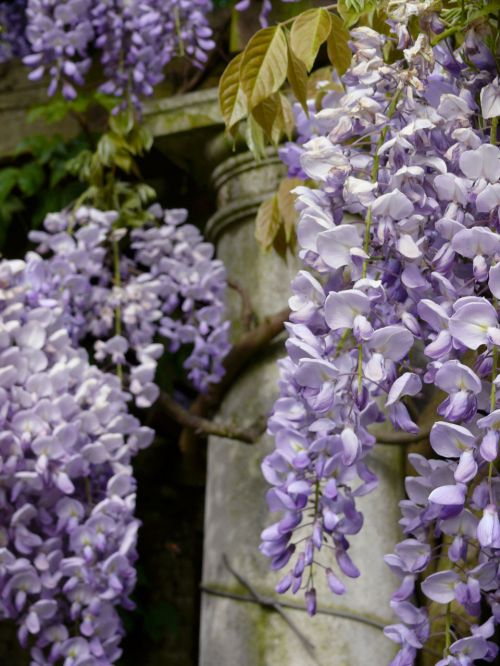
<point>309,31</point>
<point>337,45</point>
<point>250,91</point>
<point>37,183</point>
<point>232,99</point>
<point>277,217</point>
<point>264,65</point>
<point>108,171</point>
<point>58,108</point>
<point>352,10</point>
<point>459,16</point>
<point>297,77</point>
<point>250,87</point>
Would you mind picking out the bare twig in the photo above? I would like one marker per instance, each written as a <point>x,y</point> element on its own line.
<point>240,354</point>
<point>202,425</point>
<point>206,404</point>
<point>247,311</point>
<point>270,603</point>
<point>403,439</point>
<point>201,73</point>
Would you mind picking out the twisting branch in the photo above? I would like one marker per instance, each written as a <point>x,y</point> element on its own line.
<point>195,418</point>
<point>240,354</point>
<point>403,439</point>
<point>267,603</point>
<point>204,426</point>
<point>247,311</point>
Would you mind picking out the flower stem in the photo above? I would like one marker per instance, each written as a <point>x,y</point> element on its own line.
<point>447,631</point>
<point>494,370</point>
<point>374,174</point>
<point>177,19</point>
<point>118,309</point>
<point>493,130</point>
<point>360,368</point>
<point>342,342</point>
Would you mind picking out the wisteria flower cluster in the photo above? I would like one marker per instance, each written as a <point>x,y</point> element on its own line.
<point>13,42</point>
<point>67,493</point>
<point>127,291</point>
<point>398,295</point>
<point>134,40</point>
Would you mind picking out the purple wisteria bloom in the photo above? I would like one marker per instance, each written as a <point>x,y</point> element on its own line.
<point>13,43</point>
<point>396,300</point>
<point>167,291</point>
<point>68,531</point>
<point>134,41</point>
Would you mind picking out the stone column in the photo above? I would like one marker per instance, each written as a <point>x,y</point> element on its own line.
<point>238,633</point>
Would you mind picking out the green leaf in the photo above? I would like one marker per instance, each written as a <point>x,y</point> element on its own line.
<point>51,112</point>
<point>280,246</point>
<point>57,173</point>
<point>138,141</point>
<point>31,178</point>
<point>9,208</point>
<point>8,180</point>
<point>146,193</point>
<point>297,78</point>
<point>254,135</point>
<point>106,149</point>
<point>286,112</point>
<point>34,145</point>
<point>268,222</point>
<point>232,99</point>
<point>80,165</point>
<point>108,102</point>
<point>263,65</point>
<point>351,10</point>
<point>286,204</point>
<point>337,45</point>
<point>123,122</point>
<point>125,162</point>
<point>266,113</point>
<point>309,31</point>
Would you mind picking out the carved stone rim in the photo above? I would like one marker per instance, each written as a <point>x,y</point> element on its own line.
<point>243,209</point>
<point>235,166</point>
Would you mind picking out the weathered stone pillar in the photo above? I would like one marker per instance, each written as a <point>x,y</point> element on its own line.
<point>239,633</point>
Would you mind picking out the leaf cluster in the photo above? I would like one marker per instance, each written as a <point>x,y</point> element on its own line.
<point>251,86</point>
<point>36,182</point>
<point>251,92</point>
<point>111,172</point>
<point>58,108</point>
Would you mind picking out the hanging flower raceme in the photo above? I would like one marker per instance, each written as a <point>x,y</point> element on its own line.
<point>13,42</point>
<point>128,291</point>
<point>137,40</point>
<point>400,246</point>
<point>68,532</point>
<point>134,40</point>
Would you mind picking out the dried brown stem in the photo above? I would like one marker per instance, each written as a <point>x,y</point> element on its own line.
<point>206,404</point>
<point>247,311</point>
<point>204,426</point>
<point>403,439</point>
<point>309,647</point>
<point>245,349</point>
